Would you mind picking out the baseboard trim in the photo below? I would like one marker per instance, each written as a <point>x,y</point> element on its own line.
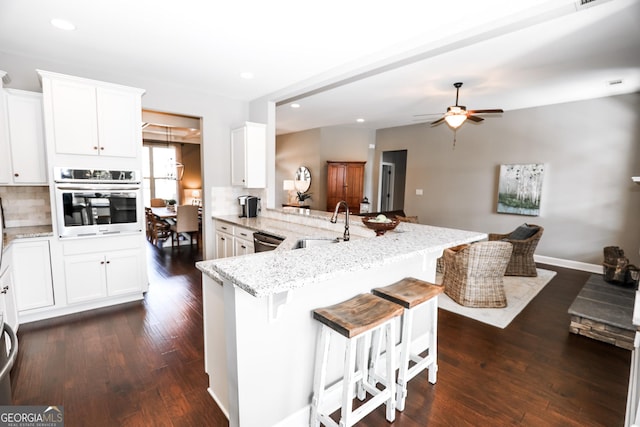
<point>574,265</point>
<point>215,399</point>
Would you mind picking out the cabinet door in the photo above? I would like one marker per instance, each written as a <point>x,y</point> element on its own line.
<point>238,151</point>
<point>85,277</point>
<point>224,245</point>
<point>124,273</point>
<point>242,247</point>
<point>249,156</point>
<point>31,266</point>
<point>119,123</point>
<point>336,181</point>
<point>26,136</point>
<point>255,155</point>
<point>7,300</point>
<point>75,122</point>
<point>354,186</point>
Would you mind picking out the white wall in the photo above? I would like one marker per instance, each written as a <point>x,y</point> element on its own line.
<point>590,149</point>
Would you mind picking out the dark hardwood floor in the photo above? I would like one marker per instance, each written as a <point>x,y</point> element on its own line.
<point>141,364</point>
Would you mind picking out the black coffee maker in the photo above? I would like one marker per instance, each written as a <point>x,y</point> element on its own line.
<point>249,206</point>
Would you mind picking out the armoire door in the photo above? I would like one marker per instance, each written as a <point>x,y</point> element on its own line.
<point>345,181</point>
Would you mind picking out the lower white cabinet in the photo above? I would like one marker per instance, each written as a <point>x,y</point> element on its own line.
<point>242,241</point>
<point>242,247</point>
<point>233,240</point>
<point>224,239</point>
<point>224,244</point>
<point>7,299</point>
<point>31,268</point>
<point>103,274</point>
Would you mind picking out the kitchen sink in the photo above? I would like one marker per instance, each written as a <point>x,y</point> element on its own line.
<point>309,242</point>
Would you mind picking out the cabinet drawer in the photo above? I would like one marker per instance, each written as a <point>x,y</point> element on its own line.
<point>100,244</point>
<point>243,233</point>
<point>224,227</point>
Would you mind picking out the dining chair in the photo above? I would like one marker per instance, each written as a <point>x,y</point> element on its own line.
<point>187,221</point>
<point>157,203</point>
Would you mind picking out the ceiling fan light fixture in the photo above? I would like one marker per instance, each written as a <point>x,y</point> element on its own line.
<point>455,120</point>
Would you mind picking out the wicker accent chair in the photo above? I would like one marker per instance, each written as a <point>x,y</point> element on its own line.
<point>521,262</point>
<point>473,275</point>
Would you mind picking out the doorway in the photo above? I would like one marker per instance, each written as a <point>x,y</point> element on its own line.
<point>387,177</point>
<point>391,188</point>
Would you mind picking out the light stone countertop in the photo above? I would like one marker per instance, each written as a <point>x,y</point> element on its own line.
<point>268,273</point>
<point>12,233</point>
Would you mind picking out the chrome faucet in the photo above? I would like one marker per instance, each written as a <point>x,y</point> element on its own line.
<point>334,218</point>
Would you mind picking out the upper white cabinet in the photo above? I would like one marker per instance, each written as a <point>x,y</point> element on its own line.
<point>88,117</point>
<point>26,137</point>
<point>22,147</point>
<point>249,156</point>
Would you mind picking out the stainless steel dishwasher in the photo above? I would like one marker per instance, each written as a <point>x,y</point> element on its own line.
<point>263,242</point>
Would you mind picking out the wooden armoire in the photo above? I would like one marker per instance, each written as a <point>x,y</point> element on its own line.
<point>345,181</point>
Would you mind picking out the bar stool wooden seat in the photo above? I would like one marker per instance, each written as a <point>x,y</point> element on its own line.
<point>355,319</point>
<point>411,293</point>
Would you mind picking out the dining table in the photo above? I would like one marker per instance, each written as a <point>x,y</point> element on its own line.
<point>164,212</point>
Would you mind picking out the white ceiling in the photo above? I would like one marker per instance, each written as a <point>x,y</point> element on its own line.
<point>342,60</point>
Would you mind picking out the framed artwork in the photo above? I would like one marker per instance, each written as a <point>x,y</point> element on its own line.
<point>520,188</point>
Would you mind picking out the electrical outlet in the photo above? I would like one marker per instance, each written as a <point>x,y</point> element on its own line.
<point>418,191</point>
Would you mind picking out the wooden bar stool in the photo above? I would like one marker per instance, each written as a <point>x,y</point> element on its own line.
<point>411,293</point>
<point>355,319</point>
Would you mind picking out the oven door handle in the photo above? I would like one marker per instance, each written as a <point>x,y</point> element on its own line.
<point>98,187</point>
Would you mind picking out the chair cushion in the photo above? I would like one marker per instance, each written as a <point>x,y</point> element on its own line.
<point>523,232</point>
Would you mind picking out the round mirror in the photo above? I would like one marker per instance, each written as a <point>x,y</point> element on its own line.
<point>303,179</point>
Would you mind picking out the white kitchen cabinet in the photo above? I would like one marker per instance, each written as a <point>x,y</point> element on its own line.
<point>242,241</point>
<point>31,268</point>
<point>224,240</point>
<point>26,161</point>
<point>7,297</point>
<point>88,117</point>
<point>99,275</point>
<point>232,240</point>
<point>249,156</point>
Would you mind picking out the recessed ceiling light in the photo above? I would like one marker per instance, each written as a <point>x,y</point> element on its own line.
<point>295,105</point>
<point>246,75</point>
<point>62,24</point>
<point>360,120</point>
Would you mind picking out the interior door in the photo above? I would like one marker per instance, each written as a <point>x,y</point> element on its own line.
<point>387,177</point>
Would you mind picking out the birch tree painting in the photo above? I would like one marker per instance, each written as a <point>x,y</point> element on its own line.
<point>519,189</point>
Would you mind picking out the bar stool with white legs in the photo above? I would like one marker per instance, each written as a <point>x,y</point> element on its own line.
<point>411,293</point>
<point>355,319</point>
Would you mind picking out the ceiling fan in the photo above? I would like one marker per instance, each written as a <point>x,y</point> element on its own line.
<point>456,115</point>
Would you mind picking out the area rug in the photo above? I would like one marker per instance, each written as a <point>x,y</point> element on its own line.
<point>520,291</point>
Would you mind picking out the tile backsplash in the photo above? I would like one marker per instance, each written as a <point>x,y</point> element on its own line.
<point>26,206</point>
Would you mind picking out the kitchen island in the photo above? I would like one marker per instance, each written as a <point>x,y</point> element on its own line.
<point>259,333</point>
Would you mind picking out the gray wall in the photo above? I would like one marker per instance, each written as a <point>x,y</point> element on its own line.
<point>590,151</point>
<point>313,148</point>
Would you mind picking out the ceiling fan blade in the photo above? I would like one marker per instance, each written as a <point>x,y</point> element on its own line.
<point>437,122</point>
<point>427,114</point>
<point>474,118</point>
<point>490,111</point>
